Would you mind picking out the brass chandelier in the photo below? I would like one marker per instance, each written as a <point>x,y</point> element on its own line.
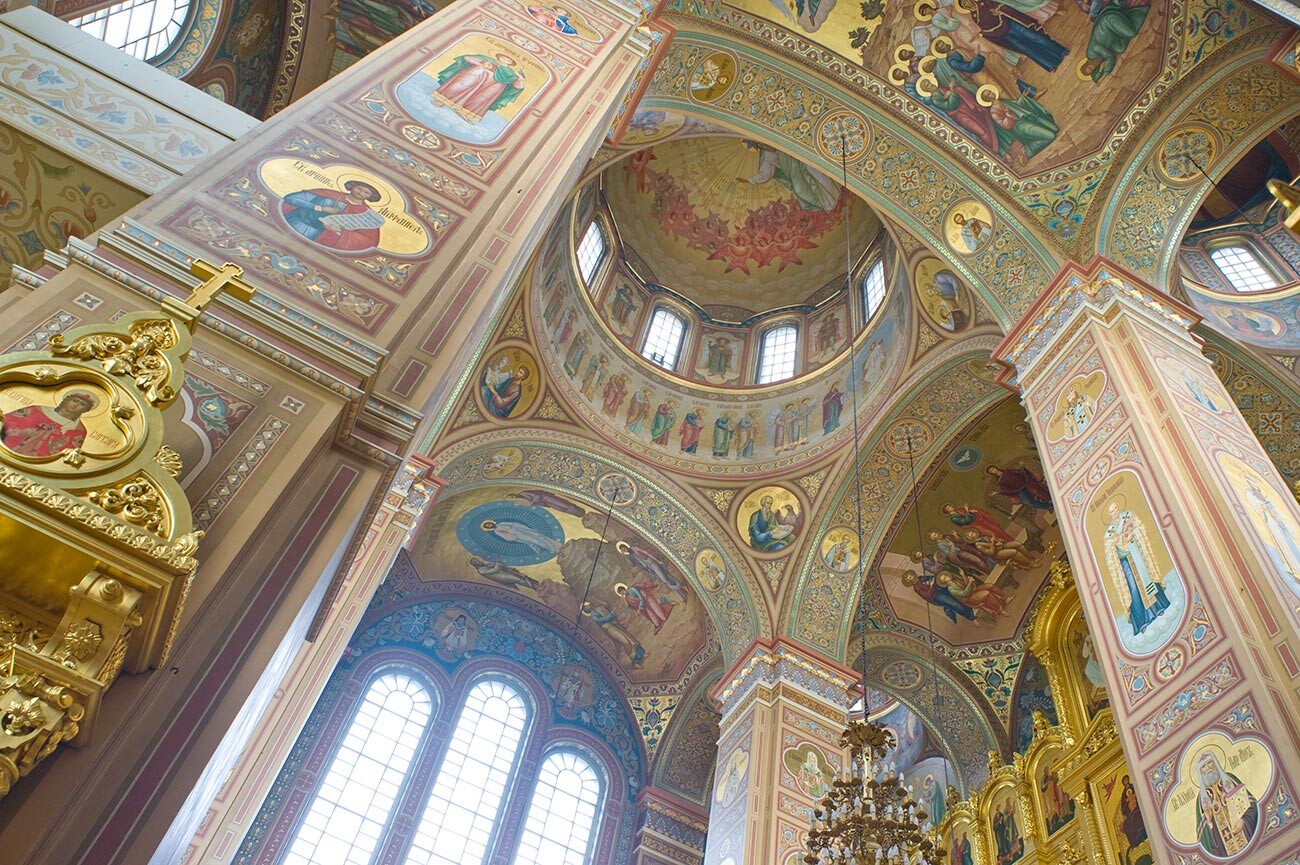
<point>869,816</point>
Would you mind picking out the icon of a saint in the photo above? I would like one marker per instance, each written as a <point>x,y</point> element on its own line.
<point>44,431</point>
<point>338,220</point>
<point>475,84</point>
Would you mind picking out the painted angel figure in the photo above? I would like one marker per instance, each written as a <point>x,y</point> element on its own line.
<point>1283,545</point>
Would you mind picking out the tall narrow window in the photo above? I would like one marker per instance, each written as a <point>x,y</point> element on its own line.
<point>142,28</point>
<point>777,354</point>
<point>461,813</point>
<point>1242,268</point>
<point>873,290</point>
<point>591,251</point>
<point>352,806</point>
<point>663,341</point>
<point>561,821</point>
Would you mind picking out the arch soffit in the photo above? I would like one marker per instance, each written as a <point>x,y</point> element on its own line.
<point>965,744</point>
<point>699,692</point>
<point>736,618</point>
<point>1223,113</point>
<point>944,400</point>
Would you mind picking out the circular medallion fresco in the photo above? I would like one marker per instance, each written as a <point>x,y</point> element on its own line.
<point>968,227</point>
<point>769,519</point>
<point>508,384</point>
<point>713,77</point>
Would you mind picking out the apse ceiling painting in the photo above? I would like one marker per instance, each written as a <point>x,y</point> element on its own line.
<point>546,547</point>
<point>731,222</point>
<point>987,526</point>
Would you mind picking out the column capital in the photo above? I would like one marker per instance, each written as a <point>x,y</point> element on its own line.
<point>772,665</point>
<point>1098,289</point>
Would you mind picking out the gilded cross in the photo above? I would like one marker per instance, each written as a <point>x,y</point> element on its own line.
<point>216,280</point>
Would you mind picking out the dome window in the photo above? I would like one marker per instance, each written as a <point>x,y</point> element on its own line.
<point>142,28</point>
<point>1242,268</point>
<point>591,251</point>
<point>777,356</point>
<point>873,290</point>
<point>663,339</point>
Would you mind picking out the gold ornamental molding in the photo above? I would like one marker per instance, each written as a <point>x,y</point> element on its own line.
<point>96,532</point>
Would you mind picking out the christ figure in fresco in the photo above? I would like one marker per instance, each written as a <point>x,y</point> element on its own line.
<point>45,431</point>
<point>475,84</point>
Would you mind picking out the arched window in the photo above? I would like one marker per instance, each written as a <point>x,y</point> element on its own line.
<point>1241,266</point>
<point>461,813</point>
<point>561,818</point>
<point>591,251</point>
<point>776,356</point>
<point>663,339</point>
<point>873,290</point>
<point>142,28</point>
<point>348,814</point>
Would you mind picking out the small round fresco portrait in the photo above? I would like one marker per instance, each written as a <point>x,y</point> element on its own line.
<point>769,519</point>
<point>510,533</point>
<point>840,550</point>
<point>574,691</point>
<point>508,383</point>
<point>1076,406</point>
<point>968,227</point>
<point>710,570</point>
<point>456,634</point>
<point>942,295</point>
<point>649,125</point>
<point>344,208</point>
<point>502,462</point>
<point>560,19</point>
<point>713,77</point>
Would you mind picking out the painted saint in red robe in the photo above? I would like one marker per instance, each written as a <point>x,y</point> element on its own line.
<point>45,431</point>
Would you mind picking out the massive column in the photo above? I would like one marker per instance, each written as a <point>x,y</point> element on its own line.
<point>382,219</point>
<point>783,709</point>
<point>1185,544</point>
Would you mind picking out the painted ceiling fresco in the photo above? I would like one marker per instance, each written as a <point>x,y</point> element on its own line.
<point>548,547</point>
<point>985,522</point>
<point>699,429</point>
<point>1034,83</point>
<point>730,222</point>
<point>361,26</point>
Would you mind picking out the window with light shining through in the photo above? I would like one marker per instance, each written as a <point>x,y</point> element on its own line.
<point>777,355</point>
<point>461,813</point>
<point>591,251</point>
<point>142,28</point>
<point>873,290</point>
<point>1242,268</point>
<point>356,797</point>
<point>561,818</point>
<point>663,340</point>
